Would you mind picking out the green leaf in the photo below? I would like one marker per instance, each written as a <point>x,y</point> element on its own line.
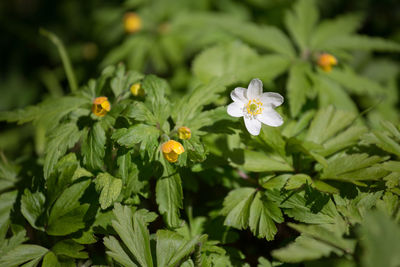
<point>169,194</point>
<point>354,167</point>
<point>255,161</point>
<point>245,207</point>
<point>93,147</point>
<point>327,123</point>
<point>69,248</point>
<point>32,207</point>
<point>116,251</point>
<point>298,87</point>
<point>355,83</point>
<point>140,112</point>
<point>23,254</point>
<point>62,138</point>
<point>8,175</point>
<point>155,89</point>
<point>301,21</point>
<point>7,201</point>
<point>66,215</point>
<point>133,232</point>
<point>328,29</point>
<point>379,236</point>
<point>110,188</point>
<point>226,62</point>
<point>297,207</point>
<point>172,247</point>
<point>48,113</point>
<point>122,81</point>
<point>263,213</point>
<point>388,140</point>
<point>140,133</point>
<point>50,260</point>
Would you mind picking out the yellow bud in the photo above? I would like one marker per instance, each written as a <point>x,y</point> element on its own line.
<point>171,150</point>
<point>326,61</point>
<point>132,22</point>
<point>101,106</point>
<point>184,133</point>
<point>137,90</point>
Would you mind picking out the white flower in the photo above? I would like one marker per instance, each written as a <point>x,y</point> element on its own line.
<point>255,106</point>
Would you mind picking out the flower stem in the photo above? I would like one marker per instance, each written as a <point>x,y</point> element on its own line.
<point>64,58</point>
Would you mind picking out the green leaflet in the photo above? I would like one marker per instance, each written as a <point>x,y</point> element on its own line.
<point>93,147</point>
<point>301,22</point>
<point>246,208</point>
<point>109,188</point>
<point>169,194</point>
<point>297,87</point>
<point>63,137</point>
<point>140,133</point>
<point>67,214</point>
<point>22,254</point>
<point>32,207</point>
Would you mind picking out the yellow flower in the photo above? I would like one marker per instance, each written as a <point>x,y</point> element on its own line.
<point>171,150</point>
<point>137,90</point>
<point>132,22</point>
<point>184,133</point>
<point>101,106</point>
<point>326,61</point>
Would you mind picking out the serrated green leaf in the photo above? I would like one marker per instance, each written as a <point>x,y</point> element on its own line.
<point>245,207</point>
<point>109,187</point>
<point>386,140</point>
<point>379,237</point>
<point>140,133</point>
<point>133,232</point>
<point>23,254</point>
<point>140,112</point>
<point>255,161</point>
<point>66,215</point>
<point>116,251</point>
<point>301,21</point>
<point>298,86</point>
<point>32,207</point>
<point>155,89</point>
<point>354,167</point>
<point>339,26</point>
<point>123,80</point>
<point>263,213</point>
<point>62,138</point>
<point>93,147</point>
<point>169,194</point>
<point>48,113</point>
<point>69,248</point>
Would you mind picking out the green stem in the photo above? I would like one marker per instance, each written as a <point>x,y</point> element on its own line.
<point>197,255</point>
<point>64,58</point>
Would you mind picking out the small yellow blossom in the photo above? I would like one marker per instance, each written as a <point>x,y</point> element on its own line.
<point>101,106</point>
<point>171,150</point>
<point>132,22</point>
<point>184,133</point>
<point>326,61</point>
<point>137,90</point>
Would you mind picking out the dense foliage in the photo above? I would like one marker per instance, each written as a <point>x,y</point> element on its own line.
<point>143,166</point>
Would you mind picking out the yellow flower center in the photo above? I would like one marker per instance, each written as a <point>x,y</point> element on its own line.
<point>254,107</point>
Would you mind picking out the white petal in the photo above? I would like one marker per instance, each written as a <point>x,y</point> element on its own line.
<point>270,117</point>
<point>274,99</point>
<point>255,89</point>
<point>252,125</point>
<point>235,109</point>
<point>239,94</point>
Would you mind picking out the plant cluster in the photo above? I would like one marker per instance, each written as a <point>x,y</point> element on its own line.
<point>131,169</point>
